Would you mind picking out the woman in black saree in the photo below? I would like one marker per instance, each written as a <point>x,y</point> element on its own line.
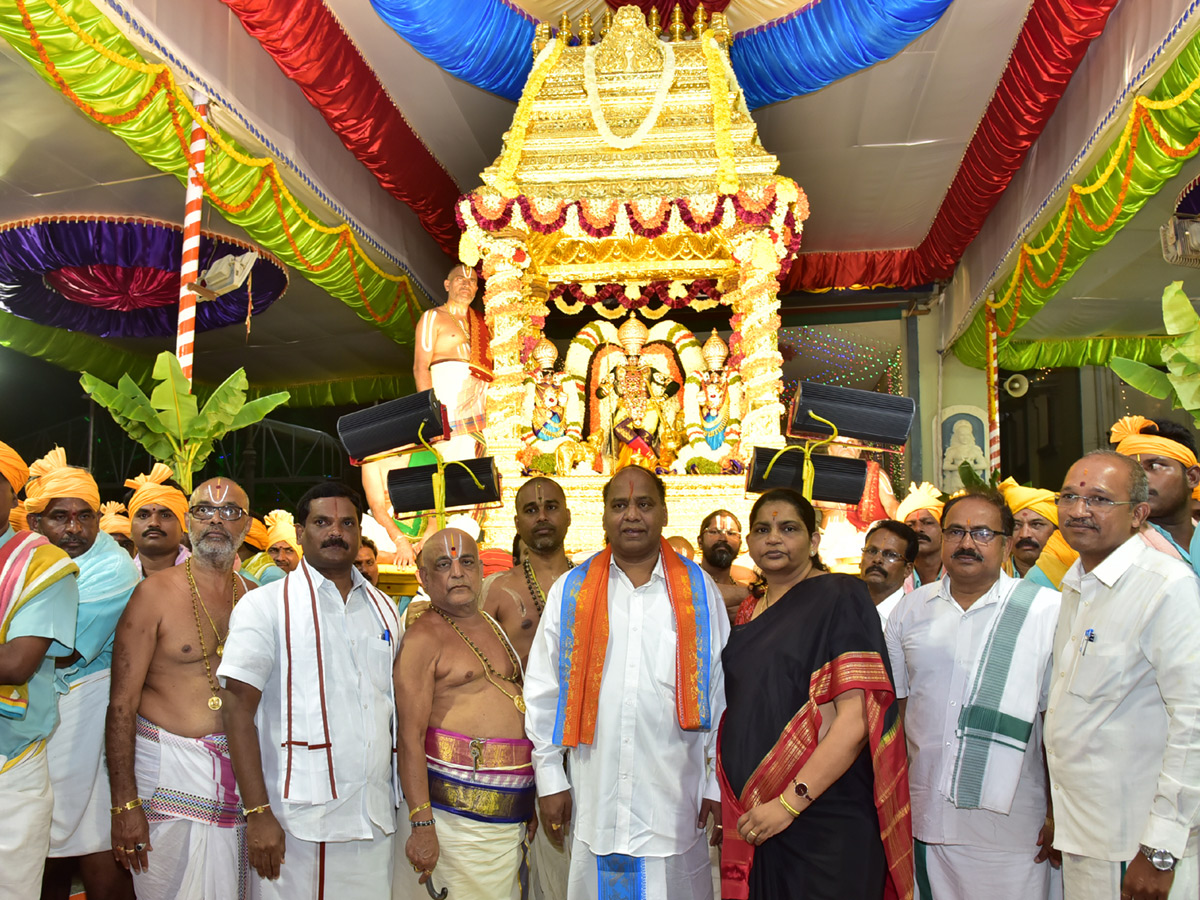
<point>811,756</point>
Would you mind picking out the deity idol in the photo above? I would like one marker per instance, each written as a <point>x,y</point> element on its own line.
<point>545,409</point>
<point>712,403</point>
<point>642,415</point>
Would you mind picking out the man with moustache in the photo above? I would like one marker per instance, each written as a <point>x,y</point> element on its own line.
<point>971,661</point>
<point>38,601</point>
<point>1039,551</point>
<point>176,816</point>
<point>465,763</point>
<point>367,560</point>
<point>625,669</point>
<point>720,541</point>
<point>311,714</point>
<point>887,561</point>
<point>1123,726</point>
<point>63,504</point>
<point>282,546</point>
<point>921,511</point>
<point>157,515</point>
<point>1167,452</point>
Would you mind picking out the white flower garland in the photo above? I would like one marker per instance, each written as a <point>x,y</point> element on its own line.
<point>660,98</point>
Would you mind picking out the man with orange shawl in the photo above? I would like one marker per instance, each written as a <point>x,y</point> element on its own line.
<point>625,680</point>
<point>1039,551</point>
<point>1167,453</point>
<point>158,513</point>
<point>38,605</point>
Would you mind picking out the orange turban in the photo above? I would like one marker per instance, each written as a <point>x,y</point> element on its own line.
<point>1127,435</point>
<point>257,535</point>
<point>16,518</point>
<point>151,489</point>
<point>51,477</point>
<point>13,468</point>
<point>1019,497</point>
<point>281,527</point>
<point>924,497</point>
<point>113,519</point>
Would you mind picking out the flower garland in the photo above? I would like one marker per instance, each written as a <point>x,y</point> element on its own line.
<point>515,145</point>
<point>718,86</point>
<point>593,98</point>
<point>670,295</point>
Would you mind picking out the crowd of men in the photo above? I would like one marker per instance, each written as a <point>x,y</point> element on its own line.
<point>244,712</point>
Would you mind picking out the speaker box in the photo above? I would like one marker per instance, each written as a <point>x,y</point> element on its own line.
<point>837,479</point>
<point>859,415</point>
<point>393,425</point>
<point>411,489</point>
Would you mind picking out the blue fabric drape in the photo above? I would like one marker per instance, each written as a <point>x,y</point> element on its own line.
<point>487,42</point>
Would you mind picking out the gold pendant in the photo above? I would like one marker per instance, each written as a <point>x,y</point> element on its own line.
<point>214,703</point>
<point>220,649</point>
<point>520,703</point>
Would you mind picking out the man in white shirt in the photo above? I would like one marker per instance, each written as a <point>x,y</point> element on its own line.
<point>970,657</point>
<point>602,688</point>
<point>1123,724</point>
<point>310,714</point>
<point>887,560</point>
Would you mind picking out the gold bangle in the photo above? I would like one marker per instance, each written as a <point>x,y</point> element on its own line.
<point>255,809</point>
<point>125,807</point>
<point>412,815</point>
<point>788,807</point>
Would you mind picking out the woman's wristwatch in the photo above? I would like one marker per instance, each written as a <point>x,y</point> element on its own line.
<point>1160,859</point>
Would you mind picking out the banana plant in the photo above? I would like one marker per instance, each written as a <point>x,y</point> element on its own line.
<point>1181,381</point>
<point>170,423</point>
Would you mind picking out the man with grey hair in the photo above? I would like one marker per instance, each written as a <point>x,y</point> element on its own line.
<point>173,790</point>
<point>1122,730</point>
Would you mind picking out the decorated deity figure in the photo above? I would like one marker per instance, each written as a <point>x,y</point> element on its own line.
<point>641,418</point>
<point>963,449</point>
<point>712,400</point>
<point>545,408</point>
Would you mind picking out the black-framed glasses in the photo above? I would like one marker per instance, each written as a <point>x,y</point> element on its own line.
<point>888,556</point>
<point>1101,503</point>
<point>203,512</point>
<point>956,535</point>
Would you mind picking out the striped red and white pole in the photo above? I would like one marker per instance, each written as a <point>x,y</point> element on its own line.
<point>993,393</point>
<point>189,269</point>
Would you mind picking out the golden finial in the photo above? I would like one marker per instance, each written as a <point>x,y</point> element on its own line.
<point>585,29</point>
<point>678,26</point>
<point>541,37</point>
<point>606,22</point>
<point>564,29</point>
<point>654,23</point>
<point>698,21</point>
<point>720,29</point>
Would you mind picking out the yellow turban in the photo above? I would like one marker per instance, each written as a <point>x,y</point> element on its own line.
<point>1127,435</point>
<point>13,468</point>
<point>257,535</point>
<point>281,527</point>
<point>51,477</point>
<point>1056,557</point>
<point>16,518</point>
<point>1019,497</point>
<point>151,489</point>
<point>924,497</point>
<point>113,519</point>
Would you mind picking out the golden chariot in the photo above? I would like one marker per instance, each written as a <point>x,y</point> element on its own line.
<point>632,186</point>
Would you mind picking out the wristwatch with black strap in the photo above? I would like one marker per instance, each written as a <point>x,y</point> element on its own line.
<point>1160,859</point>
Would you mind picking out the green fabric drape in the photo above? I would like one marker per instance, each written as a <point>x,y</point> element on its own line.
<point>1151,170</point>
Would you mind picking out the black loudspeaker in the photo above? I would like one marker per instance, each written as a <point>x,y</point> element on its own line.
<point>393,426</point>
<point>411,489</point>
<point>837,479</point>
<point>859,415</point>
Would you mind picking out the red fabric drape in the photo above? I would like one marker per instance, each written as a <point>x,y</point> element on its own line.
<point>665,7</point>
<point>119,288</point>
<point>1049,48</point>
<point>309,46</point>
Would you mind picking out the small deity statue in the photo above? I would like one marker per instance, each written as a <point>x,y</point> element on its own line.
<point>963,449</point>
<point>712,401</point>
<point>545,408</point>
<point>638,423</point>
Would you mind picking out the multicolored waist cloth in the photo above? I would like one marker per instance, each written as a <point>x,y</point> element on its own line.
<point>486,779</point>
<point>186,778</point>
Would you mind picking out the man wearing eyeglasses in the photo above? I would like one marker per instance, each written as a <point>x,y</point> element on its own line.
<point>720,541</point>
<point>1123,724</point>
<point>177,818</point>
<point>63,505</point>
<point>971,661</point>
<point>887,560</point>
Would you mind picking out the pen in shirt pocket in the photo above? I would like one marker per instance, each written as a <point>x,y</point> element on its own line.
<point>387,635</point>
<point>1089,637</point>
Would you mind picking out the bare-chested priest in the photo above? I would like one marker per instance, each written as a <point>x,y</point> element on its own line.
<point>175,802</point>
<point>465,764</point>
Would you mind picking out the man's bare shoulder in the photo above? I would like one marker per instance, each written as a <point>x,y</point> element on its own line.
<point>159,592</point>
<point>498,582</point>
<point>425,633</point>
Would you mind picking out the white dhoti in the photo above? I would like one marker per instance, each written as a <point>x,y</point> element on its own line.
<point>75,757</point>
<point>322,871</point>
<point>1085,878</point>
<point>549,867</point>
<point>686,876</point>
<point>951,871</point>
<point>475,859</point>
<point>26,800</point>
<point>465,397</point>
<point>197,830</point>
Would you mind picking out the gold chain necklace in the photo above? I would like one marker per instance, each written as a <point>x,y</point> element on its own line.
<point>488,668</point>
<point>214,702</point>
